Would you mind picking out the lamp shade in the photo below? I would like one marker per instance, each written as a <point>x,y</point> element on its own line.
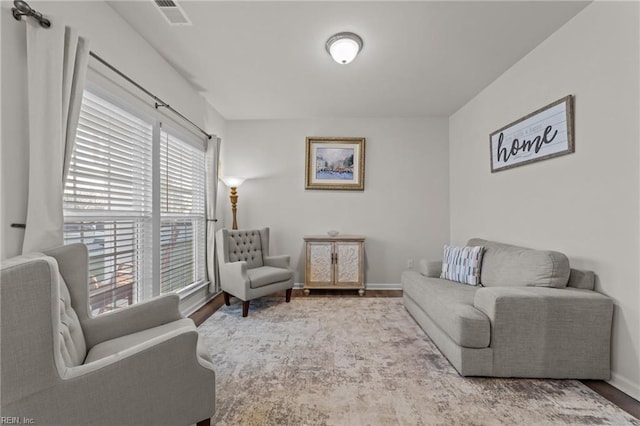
<point>233,181</point>
<point>344,47</point>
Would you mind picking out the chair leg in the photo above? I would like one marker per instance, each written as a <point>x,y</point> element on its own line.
<point>288,295</point>
<point>245,308</point>
<point>205,422</point>
<point>226,298</point>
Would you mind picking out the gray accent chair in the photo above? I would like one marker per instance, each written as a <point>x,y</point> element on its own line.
<point>142,364</point>
<point>533,316</point>
<point>247,271</point>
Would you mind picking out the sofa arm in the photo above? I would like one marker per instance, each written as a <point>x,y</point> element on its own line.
<point>548,332</point>
<point>430,268</point>
<point>164,367</point>
<point>234,278</point>
<point>282,261</point>
<point>131,319</point>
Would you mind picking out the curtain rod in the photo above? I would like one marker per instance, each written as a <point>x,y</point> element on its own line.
<point>23,9</point>
<point>159,103</point>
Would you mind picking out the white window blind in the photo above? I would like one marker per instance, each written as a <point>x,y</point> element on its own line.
<point>136,251</point>
<point>108,201</point>
<point>182,214</point>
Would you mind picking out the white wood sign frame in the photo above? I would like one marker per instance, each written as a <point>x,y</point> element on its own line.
<point>545,133</point>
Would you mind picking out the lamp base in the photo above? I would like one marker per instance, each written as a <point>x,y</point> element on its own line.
<point>233,196</point>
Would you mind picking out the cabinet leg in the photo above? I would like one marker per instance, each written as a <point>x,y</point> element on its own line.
<point>306,291</point>
<point>361,292</point>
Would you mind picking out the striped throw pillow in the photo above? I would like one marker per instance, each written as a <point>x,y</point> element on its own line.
<point>462,264</point>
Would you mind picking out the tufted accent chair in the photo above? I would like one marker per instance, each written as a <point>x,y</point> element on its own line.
<point>142,364</point>
<point>246,269</point>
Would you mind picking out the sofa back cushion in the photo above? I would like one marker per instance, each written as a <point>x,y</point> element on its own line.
<point>246,245</point>
<point>507,265</point>
<point>73,347</point>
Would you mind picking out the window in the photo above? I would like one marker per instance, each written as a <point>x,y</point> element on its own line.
<point>182,214</point>
<point>108,205</point>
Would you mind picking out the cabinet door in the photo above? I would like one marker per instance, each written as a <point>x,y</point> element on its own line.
<point>348,267</point>
<point>319,270</point>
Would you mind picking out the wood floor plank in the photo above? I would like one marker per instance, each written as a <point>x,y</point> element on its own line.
<point>621,399</point>
<point>207,310</point>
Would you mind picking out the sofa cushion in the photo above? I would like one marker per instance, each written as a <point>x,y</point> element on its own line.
<point>265,275</point>
<point>507,265</point>
<point>450,306</point>
<point>117,345</point>
<point>73,347</point>
<point>462,264</point>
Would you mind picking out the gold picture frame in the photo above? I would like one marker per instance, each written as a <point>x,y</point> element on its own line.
<point>335,163</point>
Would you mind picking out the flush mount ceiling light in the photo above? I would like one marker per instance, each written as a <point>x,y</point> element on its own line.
<point>344,47</point>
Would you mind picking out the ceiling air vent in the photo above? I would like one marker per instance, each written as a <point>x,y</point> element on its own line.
<point>172,12</point>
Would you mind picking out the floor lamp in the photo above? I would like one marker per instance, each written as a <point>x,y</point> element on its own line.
<point>233,182</point>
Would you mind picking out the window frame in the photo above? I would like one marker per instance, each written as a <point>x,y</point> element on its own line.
<point>109,91</point>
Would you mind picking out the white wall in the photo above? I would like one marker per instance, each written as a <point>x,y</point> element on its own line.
<point>403,211</point>
<point>111,38</point>
<point>214,123</point>
<point>584,204</point>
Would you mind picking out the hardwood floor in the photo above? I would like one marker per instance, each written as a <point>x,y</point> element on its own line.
<point>207,310</point>
<point>619,398</point>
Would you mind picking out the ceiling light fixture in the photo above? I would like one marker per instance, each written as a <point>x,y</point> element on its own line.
<point>344,47</point>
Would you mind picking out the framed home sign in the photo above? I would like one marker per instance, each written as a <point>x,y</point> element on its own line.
<point>545,133</point>
<point>335,163</point>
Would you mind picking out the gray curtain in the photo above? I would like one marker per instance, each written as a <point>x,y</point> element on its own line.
<point>211,176</point>
<point>57,61</point>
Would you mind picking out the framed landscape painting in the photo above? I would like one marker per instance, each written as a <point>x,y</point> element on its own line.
<point>335,163</point>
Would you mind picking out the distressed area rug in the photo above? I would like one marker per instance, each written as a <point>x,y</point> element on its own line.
<point>364,361</point>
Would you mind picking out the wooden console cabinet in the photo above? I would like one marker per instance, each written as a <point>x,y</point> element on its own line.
<point>334,262</point>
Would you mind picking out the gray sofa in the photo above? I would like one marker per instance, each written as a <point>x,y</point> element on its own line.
<point>532,316</point>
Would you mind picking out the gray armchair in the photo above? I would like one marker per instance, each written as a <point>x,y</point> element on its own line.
<point>142,364</point>
<point>246,269</point>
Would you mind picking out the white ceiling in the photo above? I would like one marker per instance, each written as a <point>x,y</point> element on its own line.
<point>265,60</point>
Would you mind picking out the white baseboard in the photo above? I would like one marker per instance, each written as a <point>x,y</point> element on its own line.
<point>625,385</point>
<point>367,286</point>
